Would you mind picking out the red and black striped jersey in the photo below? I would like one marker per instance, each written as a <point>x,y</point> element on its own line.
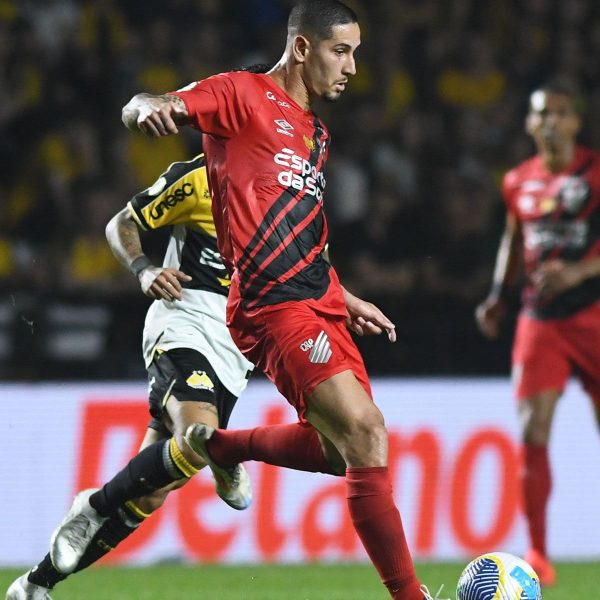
<point>559,214</point>
<point>265,159</point>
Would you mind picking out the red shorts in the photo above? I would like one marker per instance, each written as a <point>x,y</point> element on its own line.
<point>545,353</point>
<point>297,347</point>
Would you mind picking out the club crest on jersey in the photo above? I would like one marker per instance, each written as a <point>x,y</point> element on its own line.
<point>284,127</point>
<point>199,380</point>
<point>309,143</point>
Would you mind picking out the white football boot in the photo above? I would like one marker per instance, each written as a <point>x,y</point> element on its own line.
<point>233,484</point>
<point>71,538</point>
<point>23,589</point>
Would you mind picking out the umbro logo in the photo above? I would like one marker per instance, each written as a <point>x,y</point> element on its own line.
<point>284,127</point>
<point>321,350</point>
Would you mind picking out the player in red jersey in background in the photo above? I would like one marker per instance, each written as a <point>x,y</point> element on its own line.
<point>553,227</point>
<point>265,151</point>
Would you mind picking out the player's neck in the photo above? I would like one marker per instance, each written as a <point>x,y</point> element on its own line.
<point>288,79</point>
<point>556,160</point>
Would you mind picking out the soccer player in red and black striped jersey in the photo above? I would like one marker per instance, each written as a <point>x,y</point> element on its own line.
<point>287,312</point>
<point>553,227</point>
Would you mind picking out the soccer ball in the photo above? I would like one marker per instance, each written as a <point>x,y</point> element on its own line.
<point>498,576</point>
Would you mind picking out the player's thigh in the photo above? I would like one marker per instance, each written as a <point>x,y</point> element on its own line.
<point>342,411</point>
<point>541,359</point>
<point>152,436</point>
<point>339,404</point>
<point>582,332</point>
<point>186,389</point>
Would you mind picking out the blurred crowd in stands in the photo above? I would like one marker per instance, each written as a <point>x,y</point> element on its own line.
<point>421,140</point>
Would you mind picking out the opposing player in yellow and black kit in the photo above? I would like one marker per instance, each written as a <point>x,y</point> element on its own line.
<point>188,316</point>
<point>195,371</point>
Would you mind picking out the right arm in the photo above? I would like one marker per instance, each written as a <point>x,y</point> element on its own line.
<point>155,116</point>
<point>508,262</point>
<point>159,283</point>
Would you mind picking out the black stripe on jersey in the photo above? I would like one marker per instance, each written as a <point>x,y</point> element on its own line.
<point>311,282</point>
<point>297,248</point>
<point>176,171</point>
<point>275,240</point>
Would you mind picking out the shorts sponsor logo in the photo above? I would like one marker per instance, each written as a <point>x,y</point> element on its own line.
<point>178,195</point>
<point>321,352</point>
<point>199,380</point>
<point>307,345</point>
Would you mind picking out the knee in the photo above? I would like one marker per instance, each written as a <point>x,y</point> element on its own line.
<point>367,440</point>
<point>369,428</point>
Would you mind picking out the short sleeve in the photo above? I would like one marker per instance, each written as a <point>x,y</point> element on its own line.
<point>174,198</point>
<point>220,105</point>
<point>509,185</point>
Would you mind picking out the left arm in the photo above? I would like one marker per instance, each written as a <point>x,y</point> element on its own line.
<point>364,318</point>
<point>557,276</point>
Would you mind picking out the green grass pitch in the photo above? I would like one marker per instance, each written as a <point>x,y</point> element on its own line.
<point>264,582</point>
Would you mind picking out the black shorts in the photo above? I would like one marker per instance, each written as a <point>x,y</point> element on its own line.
<point>187,375</point>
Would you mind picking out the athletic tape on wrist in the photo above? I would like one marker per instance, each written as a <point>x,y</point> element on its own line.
<point>139,264</point>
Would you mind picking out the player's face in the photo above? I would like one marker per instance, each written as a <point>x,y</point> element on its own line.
<point>330,63</point>
<point>552,120</point>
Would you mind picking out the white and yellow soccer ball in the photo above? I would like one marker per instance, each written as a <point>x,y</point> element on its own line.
<point>498,576</point>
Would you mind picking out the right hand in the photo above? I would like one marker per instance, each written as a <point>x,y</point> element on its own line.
<point>162,283</point>
<point>157,116</point>
<point>488,316</point>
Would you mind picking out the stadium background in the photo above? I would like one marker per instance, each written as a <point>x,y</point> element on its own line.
<point>420,143</point>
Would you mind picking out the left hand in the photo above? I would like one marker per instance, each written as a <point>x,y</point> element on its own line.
<point>556,276</point>
<point>364,318</point>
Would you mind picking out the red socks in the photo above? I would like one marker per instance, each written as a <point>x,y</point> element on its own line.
<point>536,485</point>
<point>294,446</point>
<point>378,524</point>
<point>369,491</point>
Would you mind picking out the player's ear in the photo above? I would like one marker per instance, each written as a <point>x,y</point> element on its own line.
<point>300,48</point>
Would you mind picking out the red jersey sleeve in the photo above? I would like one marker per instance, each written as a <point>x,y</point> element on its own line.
<point>509,185</point>
<point>220,105</point>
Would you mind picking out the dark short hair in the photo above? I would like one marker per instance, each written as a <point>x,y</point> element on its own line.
<point>560,87</point>
<point>255,68</point>
<point>316,18</point>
